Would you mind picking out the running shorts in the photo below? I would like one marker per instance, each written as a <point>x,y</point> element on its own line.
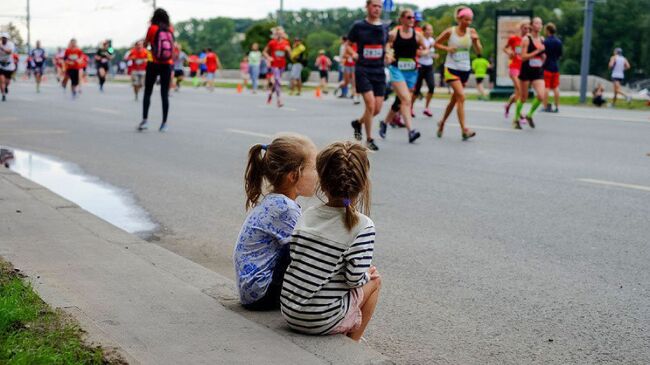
<point>39,67</point>
<point>193,73</point>
<point>370,79</point>
<point>324,74</point>
<point>409,77</point>
<point>551,79</point>
<point>619,79</point>
<point>73,74</point>
<point>425,74</point>
<point>6,73</point>
<point>479,80</point>
<point>103,65</point>
<point>179,73</point>
<point>531,73</point>
<point>296,71</point>
<point>137,77</point>
<point>210,76</point>
<point>514,72</point>
<point>456,75</point>
<point>348,69</point>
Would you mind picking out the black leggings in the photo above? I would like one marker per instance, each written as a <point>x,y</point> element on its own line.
<point>154,70</point>
<point>73,74</point>
<point>425,74</point>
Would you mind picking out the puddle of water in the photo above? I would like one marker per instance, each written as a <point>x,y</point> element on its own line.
<point>90,193</point>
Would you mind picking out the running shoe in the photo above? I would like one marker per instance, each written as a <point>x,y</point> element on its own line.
<point>556,110</point>
<point>427,112</point>
<point>163,127</point>
<point>530,122</point>
<point>382,129</point>
<point>357,129</point>
<point>441,127</point>
<point>371,145</point>
<point>467,134</point>
<point>507,107</point>
<point>516,124</point>
<point>357,99</point>
<point>142,126</point>
<point>413,135</point>
<point>4,97</point>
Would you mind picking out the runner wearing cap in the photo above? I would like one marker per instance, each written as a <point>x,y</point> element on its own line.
<point>371,36</point>
<point>457,42</point>
<point>7,63</point>
<point>619,64</point>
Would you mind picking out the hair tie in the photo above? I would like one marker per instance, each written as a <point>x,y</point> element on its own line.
<point>347,202</point>
<point>265,147</point>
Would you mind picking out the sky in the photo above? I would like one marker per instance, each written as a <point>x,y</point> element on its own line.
<point>123,21</point>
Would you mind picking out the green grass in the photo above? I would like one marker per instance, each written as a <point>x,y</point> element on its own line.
<point>32,333</point>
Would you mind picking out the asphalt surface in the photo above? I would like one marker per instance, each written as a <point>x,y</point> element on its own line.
<point>516,247</point>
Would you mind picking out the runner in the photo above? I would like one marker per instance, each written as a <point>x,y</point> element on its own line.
<point>459,39</point>
<point>59,64</point>
<point>73,58</point>
<point>203,68</point>
<point>323,64</point>
<point>254,65</point>
<point>349,82</point>
<point>618,63</point>
<point>532,72</point>
<point>7,64</point>
<point>553,46</point>
<point>138,57</point>
<point>160,36</point>
<point>180,58</point>
<point>29,68</point>
<point>513,50</point>
<point>194,62</point>
<point>276,52</point>
<point>39,57</point>
<point>212,64</point>
<point>102,63</point>
<point>298,60</point>
<point>404,45</point>
<point>340,59</point>
<point>480,68</point>
<point>426,72</point>
<point>371,36</point>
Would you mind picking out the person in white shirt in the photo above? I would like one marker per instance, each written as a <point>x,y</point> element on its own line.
<point>330,286</point>
<point>619,65</point>
<point>7,64</point>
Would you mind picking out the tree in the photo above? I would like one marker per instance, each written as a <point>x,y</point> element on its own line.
<point>259,33</point>
<point>14,35</point>
<point>321,40</point>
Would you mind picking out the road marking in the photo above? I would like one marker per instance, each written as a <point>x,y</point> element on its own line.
<point>107,111</point>
<point>35,131</point>
<point>248,133</point>
<point>620,185</point>
<point>283,108</point>
<point>510,130</point>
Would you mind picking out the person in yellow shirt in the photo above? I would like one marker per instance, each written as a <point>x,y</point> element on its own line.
<point>480,67</point>
<point>298,58</point>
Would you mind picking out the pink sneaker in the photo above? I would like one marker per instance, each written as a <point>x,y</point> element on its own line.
<point>427,112</point>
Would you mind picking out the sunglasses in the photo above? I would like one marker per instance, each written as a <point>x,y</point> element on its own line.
<point>409,17</point>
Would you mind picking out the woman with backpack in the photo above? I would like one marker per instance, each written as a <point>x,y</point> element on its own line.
<point>161,38</point>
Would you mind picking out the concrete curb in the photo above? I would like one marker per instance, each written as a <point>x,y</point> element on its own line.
<point>150,304</point>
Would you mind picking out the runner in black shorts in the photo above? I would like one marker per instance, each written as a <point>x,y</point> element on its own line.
<point>102,59</point>
<point>532,72</point>
<point>39,57</point>
<point>370,35</point>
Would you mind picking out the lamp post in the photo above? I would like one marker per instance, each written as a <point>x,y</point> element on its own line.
<point>586,49</point>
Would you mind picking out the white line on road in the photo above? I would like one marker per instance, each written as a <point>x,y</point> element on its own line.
<point>617,184</point>
<point>107,111</point>
<point>248,133</point>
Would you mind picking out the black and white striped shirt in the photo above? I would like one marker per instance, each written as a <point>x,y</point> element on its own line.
<point>327,261</point>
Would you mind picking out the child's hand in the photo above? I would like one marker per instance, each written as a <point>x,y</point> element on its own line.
<point>374,274</point>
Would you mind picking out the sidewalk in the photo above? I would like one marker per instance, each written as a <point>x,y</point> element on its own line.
<point>153,306</point>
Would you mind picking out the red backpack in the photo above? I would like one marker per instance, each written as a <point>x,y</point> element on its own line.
<point>163,44</point>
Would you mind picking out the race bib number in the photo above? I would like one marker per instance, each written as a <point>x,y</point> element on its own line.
<point>279,54</point>
<point>536,62</point>
<point>460,56</point>
<point>406,64</point>
<point>518,50</point>
<point>38,59</point>
<point>139,62</point>
<point>373,51</point>
<point>73,57</point>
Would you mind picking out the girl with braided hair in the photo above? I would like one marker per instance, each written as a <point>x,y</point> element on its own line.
<point>288,167</point>
<point>330,286</point>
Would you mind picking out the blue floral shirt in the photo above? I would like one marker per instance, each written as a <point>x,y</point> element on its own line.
<point>262,240</point>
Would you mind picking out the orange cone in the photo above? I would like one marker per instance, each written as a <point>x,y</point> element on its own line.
<point>318,93</point>
<point>240,88</point>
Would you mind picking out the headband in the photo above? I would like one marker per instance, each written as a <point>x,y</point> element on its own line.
<point>466,12</point>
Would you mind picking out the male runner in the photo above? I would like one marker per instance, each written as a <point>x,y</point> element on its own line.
<point>39,56</point>
<point>371,36</point>
<point>553,51</point>
<point>138,57</point>
<point>7,64</point>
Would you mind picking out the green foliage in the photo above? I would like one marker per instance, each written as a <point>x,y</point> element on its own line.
<point>14,35</point>
<point>259,33</point>
<point>30,333</point>
<point>217,33</point>
<point>321,40</point>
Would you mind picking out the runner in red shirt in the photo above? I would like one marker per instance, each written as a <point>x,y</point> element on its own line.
<point>160,36</point>
<point>59,64</point>
<point>513,50</point>
<point>323,63</point>
<point>348,71</point>
<point>194,62</point>
<point>276,52</point>
<point>73,58</point>
<point>137,58</point>
<point>212,64</point>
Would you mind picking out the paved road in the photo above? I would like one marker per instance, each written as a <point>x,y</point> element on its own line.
<point>516,247</point>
